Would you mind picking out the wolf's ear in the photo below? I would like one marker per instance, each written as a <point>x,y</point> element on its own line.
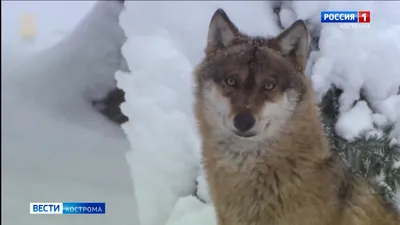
<point>293,43</point>
<point>221,32</point>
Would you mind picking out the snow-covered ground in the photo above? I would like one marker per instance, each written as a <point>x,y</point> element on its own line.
<point>56,148</point>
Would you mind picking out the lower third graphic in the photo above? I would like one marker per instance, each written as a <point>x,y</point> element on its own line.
<point>67,208</point>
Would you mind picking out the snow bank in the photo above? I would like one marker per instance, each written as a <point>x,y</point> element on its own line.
<point>187,21</point>
<point>55,147</point>
<point>80,68</point>
<point>164,160</point>
<point>356,60</point>
<point>189,210</point>
<point>54,20</point>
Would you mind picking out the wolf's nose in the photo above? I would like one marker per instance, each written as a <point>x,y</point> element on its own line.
<point>244,121</point>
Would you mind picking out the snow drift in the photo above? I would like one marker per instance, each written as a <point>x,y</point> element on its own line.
<point>187,22</point>
<point>161,128</point>
<point>358,61</point>
<point>55,146</point>
<point>77,69</point>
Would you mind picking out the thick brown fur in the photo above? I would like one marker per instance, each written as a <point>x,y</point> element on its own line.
<point>286,173</point>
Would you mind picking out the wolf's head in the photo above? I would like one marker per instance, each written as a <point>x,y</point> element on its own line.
<point>250,86</point>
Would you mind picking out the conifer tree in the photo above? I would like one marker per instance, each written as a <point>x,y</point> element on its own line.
<point>373,158</point>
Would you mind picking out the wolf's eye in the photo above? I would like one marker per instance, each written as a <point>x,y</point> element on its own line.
<point>230,81</point>
<point>269,86</point>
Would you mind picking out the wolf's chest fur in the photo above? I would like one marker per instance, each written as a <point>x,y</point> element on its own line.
<point>254,186</point>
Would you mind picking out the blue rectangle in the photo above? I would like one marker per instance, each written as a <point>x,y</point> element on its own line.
<point>84,208</point>
<point>339,17</point>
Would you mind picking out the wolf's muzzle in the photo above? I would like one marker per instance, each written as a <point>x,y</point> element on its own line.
<point>244,121</point>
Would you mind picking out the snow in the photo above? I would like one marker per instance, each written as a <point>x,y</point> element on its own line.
<point>50,16</point>
<point>187,22</point>
<point>396,130</point>
<point>359,60</point>
<point>55,147</point>
<point>190,211</point>
<point>355,121</point>
<point>165,157</point>
<point>202,188</point>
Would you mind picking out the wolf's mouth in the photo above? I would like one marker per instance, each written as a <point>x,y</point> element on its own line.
<point>244,134</point>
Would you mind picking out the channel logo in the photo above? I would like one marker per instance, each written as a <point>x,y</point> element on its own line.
<point>67,208</point>
<point>346,16</point>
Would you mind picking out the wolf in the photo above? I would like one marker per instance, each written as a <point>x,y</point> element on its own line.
<point>264,150</point>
